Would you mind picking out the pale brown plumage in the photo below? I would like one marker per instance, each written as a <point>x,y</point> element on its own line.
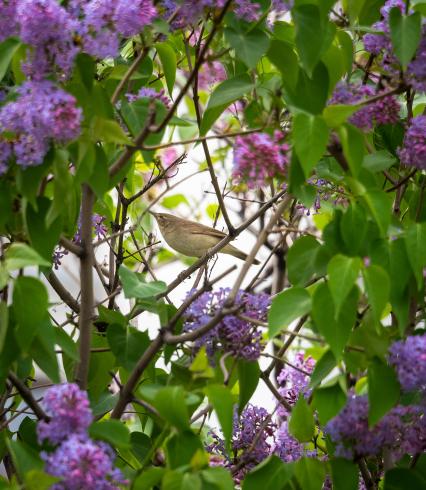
<point>193,239</point>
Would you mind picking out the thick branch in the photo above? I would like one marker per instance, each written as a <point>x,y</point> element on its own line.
<point>62,292</point>
<point>86,280</point>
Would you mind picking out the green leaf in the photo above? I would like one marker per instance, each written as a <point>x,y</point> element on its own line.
<point>168,61</point>
<point>353,147</point>
<point>281,54</point>
<point>39,480</point>
<point>7,49</point>
<point>302,423</point>
<point>380,205</point>
<point>335,331</point>
<point>4,322</point>
<point>337,114</point>
<point>127,344</point>
<point>24,457</point>
<point>19,255</point>
<point>310,473</point>
<point>322,368</point>
<point>301,260</point>
<point>134,285</point>
<point>415,243</point>
<point>30,303</point>
<point>405,33</point>
<point>148,479</point>
<point>353,228</point>
<point>171,202</point>
<point>328,401</point>
<point>218,478</point>
<point>66,343</point>
<point>310,135</point>
<point>342,274</point>
<point>43,350</point>
<point>112,431</point>
<point>223,95</point>
<point>286,307</point>
<point>344,474</point>
<point>248,379</point>
<point>383,390</point>
<point>270,474</point>
<point>223,403</point>
<point>170,402</point>
<point>108,131</point>
<point>249,46</point>
<point>181,448</point>
<point>378,161</point>
<point>403,479</point>
<point>377,285</point>
<point>310,34</point>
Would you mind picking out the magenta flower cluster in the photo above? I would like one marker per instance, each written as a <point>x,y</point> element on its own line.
<point>42,113</point>
<point>239,337</point>
<point>401,431</point>
<point>259,157</point>
<point>382,111</point>
<point>413,151</point>
<point>80,463</point>
<point>409,360</point>
<point>381,46</point>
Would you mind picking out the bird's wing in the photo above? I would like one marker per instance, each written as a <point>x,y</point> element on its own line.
<point>197,227</point>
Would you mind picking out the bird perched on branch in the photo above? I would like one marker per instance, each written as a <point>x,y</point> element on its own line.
<point>193,239</point>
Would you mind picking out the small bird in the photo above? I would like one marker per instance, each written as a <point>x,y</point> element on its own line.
<point>191,238</point>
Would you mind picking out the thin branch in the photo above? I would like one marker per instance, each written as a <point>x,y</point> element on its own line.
<point>26,395</point>
<point>62,292</point>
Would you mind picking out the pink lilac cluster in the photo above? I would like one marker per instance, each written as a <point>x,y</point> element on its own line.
<point>259,157</point>
<point>381,46</point>
<point>234,335</point>
<point>186,12</point>
<point>382,111</point>
<point>294,380</point>
<point>82,464</point>
<point>413,151</point>
<point>402,431</point>
<point>409,359</point>
<point>150,93</point>
<point>252,441</point>
<point>210,74</point>
<point>41,113</point>
<point>8,21</point>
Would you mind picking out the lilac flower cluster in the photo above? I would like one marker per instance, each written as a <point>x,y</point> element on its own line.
<point>211,73</point>
<point>287,447</point>
<point>41,113</point>
<point>382,111</point>
<point>99,231</point>
<point>150,93</point>
<point>282,6</point>
<point>413,151</point>
<point>402,430</point>
<point>409,359</point>
<point>234,335</point>
<point>259,157</point>
<point>187,12</point>
<point>294,380</point>
<point>381,46</point>
<point>252,441</point>
<point>325,191</point>
<point>82,464</point>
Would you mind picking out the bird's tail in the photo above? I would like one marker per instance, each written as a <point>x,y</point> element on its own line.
<point>231,250</point>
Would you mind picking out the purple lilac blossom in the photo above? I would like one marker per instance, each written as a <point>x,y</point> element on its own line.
<point>294,381</point>
<point>402,430</point>
<point>234,335</point>
<point>416,70</point>
<point>83,464</point>
<point>383,111</point>
<point>252,440</point>
<point>8,21</point>
<point>259,157</point>
<point>131,16</point>
<point>211,73</point>
<point>49,29</point>
<point>409,359</point>
<point>282,6</point>
<point>413,151</point>
<point>150,93</point>
<point>41,113</point>
<point>286,446</point>
<point>69,412</point>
